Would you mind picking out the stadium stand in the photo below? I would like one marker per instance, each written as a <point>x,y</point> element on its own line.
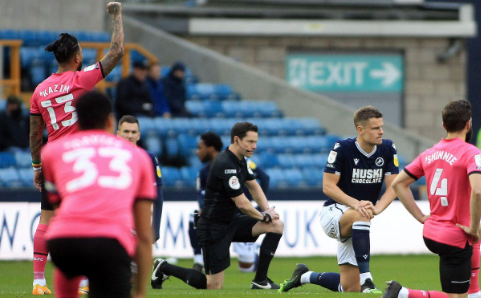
<point>293,151</point>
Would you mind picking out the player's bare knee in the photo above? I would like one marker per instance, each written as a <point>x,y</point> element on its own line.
<point>276,226</point>
<point>351,288</point>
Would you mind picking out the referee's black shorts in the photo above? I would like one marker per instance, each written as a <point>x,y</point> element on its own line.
<point>215,239</point>
<point>454,265</point>
<point>45,204</point>
<point>103,261</point>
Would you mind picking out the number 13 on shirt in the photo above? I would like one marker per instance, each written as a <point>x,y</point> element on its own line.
<point>66,100</point>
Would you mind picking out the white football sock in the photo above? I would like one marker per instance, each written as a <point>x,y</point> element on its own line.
<point>41,282</point>
<point>365,276</point>
<point>306,277</point>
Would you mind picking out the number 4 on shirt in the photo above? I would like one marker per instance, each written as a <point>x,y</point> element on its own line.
<point>441,191</point>
<point>68,108</point>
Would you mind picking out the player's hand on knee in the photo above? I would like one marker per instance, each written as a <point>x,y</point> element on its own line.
<point>274,215</point>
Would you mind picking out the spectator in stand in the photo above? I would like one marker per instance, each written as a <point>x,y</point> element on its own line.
<point>175,91</point>
<point>14,125</point>
<point>161,105</point>
<point>133,93</point>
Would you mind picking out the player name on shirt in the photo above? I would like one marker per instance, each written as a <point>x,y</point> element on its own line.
<point>54,88</point>
<point>446,156</point>
<point>93,140</point>
<point>366,176</point>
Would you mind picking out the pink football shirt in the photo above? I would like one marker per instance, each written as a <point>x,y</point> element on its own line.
<point>54,99</point>
<point>447,166</point>
<point>96,178</point>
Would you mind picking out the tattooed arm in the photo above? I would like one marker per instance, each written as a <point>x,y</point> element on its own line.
<point>116,50</point>
<point>36,141</point>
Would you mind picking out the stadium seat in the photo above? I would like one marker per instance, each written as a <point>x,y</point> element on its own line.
<point>294,177</point>
<point>153,143</point>
<point>146,125</point>
<point>277,179</point>
<point>187,144</point>
<point>163,127</point>
<point>172,147</point>
<point>10,178</point>
<point>189,175</point>
<point>115,75</point>
<point>26,177</point>
<point>194,162</point>
<point>171,177</point>
<point>7,160</point>
<point>23,159</point>
<point>313,176</point>
<point>3,104</point>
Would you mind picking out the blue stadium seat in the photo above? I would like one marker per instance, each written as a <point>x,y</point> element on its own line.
<point>172,147</point>
<point>100,36</point>
<point>286,160</point>
<point>9,34</point>
<point>189,175</point>
<point>146,125</point>
<point>277,179</point>
<point>3,104</point>
<point>196,107</point>
<point>115,74</point>
<point>23,159</point>
<point>7,160</point>
<point>153,143</point>
<point>313,176</point>
<point>163,127</point>
<point>10,178</point>
<point>187,144</point>
<point>89,56</point>
<point>38,71</point>
<point>294,177</point>
<point>194,162</point>
<point>268,160</point>
<point>46,37</point>
<point>29,38</point>
<point>171,177</point>
<point>26,176</point>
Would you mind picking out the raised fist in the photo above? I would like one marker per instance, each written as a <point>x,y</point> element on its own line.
<point>114,8</point>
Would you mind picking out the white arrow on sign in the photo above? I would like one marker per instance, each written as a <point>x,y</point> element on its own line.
<point>389,73</point>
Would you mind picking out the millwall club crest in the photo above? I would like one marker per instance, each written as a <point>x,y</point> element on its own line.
<point>356,160</point>
<point>379,161</point>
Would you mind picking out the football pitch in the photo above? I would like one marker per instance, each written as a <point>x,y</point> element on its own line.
<point>414,271</point>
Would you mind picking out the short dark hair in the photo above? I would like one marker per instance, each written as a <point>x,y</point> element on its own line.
<point>456,114</point>
<point>64,48</point>
<point>93,110</point>
<point>128,119</point>
<point>240,130</point>
<point>364,114</point>
<point>212,139</point>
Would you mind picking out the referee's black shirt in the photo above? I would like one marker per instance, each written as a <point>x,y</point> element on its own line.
<point>226,177</point>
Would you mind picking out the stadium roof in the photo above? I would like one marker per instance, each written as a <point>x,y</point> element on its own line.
<point>409,18</point>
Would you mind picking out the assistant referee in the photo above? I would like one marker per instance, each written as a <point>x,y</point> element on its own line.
<point>220,225</point>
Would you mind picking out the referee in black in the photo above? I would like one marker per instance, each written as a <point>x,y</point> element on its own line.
<point>220,225</point>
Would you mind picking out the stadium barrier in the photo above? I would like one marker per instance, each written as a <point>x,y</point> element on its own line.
<point>394,231</point>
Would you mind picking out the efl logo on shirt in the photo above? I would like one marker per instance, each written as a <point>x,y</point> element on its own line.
<point>234,182</point>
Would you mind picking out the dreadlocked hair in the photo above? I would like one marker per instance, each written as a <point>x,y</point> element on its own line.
<point>64,48</point>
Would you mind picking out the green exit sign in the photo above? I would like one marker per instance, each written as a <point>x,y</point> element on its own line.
<point>346,72</point>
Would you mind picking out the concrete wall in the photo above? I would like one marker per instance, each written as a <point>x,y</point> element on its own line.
<point>53,14</point>
<point>257,84</point>
<point>429,85</point>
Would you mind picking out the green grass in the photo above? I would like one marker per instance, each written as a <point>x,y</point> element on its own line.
<point>414,271</point>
